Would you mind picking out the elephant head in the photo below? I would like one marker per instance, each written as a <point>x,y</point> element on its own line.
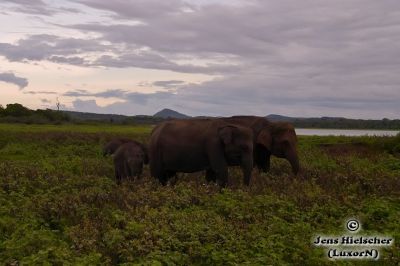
<point>280,140</point>
<point>238,148</point>
<point>112,146</point>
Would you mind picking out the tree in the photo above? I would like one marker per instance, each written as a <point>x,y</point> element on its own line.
<point>17,110</point>
<point>58,104</point>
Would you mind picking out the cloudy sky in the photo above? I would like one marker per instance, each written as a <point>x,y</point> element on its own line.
<point>203,57</point>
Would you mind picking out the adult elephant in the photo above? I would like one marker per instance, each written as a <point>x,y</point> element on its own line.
<point>270,138</point>
<point>193,145</point>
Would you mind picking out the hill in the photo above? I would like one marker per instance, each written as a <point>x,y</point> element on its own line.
<point>168,113</point>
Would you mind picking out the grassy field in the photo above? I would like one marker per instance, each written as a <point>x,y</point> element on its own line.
<point>59,203</point>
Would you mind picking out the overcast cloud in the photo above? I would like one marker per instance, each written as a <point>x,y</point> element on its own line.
<point>29,6</point>
<point>298,58</point>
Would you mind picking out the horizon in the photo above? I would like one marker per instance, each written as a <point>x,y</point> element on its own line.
<point>181,113</point>
<point>203,58</point>
<point>266,115</point>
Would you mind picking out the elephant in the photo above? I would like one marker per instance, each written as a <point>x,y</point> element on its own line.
<point>192,145</point>
<point>129,159</point>
<point>270,138</point>
<point>111,147</point>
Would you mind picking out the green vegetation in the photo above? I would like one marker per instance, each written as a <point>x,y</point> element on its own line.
<point>345,123</point>
<point>59,204</point>
<point>17,113</point>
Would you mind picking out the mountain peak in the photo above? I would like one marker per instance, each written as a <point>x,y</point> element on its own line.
<point>169,113</point>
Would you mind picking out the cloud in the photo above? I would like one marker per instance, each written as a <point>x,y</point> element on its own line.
<point>168,84</point>
<point>336,58</point>
<point>45,101</point>
<point>13,79</point>
<point>137,103</point>
<point>140,9</point>
<point>289,36</point>
<point>95,53</point>
<point>133,97</point>
<point>51,48</point>
<point>87,106</point>
<point>259,95</point>
<point>114,93</point>
<point>143,98</point>
<point>74,60</point>
<point>39,92</point>
<point>36,7</point>
<point>150,60</point>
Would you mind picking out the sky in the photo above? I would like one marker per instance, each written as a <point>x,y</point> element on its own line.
<point>305,58</point>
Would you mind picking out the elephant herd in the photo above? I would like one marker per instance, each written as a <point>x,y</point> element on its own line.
<point>191,145</point>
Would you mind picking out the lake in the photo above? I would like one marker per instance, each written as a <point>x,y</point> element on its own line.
<point>344,132</point>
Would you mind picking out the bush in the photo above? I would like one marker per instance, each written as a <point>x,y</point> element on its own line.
<point>16,110</point>
<point>17,113</point>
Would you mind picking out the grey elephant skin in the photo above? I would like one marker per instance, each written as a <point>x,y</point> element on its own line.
<point>193,145</point>
<point>129,160</point>
<point>270,138</point>
<point>111,147</point>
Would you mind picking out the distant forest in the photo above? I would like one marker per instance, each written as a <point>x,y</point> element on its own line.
<point>344,123</point>
<point>17,113</point>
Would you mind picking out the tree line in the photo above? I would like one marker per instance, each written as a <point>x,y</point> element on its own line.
<point>345,123</point>
<point>17,113</point>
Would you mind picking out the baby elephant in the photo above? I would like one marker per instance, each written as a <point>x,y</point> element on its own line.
<point>129,159</point>
<point>111,147</point>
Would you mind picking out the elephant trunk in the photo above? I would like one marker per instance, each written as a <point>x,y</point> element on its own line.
<point>294,161</point>
<point>247,167</point>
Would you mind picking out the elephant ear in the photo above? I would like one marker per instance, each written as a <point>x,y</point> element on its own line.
<point>225,133</point>
<point>264,138</point>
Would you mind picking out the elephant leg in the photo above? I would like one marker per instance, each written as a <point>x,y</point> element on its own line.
<point>265,164</point>
<point>262,159</point>
<point>139,172</point>
<point>218,165</point>
<point>222,179</point>
<point>169,175</point>
<point>172,176</point>
<point>211,176</point>
<point>221,176</point>
<point>127,171</point>
<point>117,174</point>
<point>163,177</point>
<point>157,171</point>
<point>163,180</point>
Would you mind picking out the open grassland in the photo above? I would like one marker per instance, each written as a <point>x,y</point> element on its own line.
<point>59,203</point>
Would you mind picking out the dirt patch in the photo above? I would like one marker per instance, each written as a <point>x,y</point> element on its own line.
<point>349,149</point>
